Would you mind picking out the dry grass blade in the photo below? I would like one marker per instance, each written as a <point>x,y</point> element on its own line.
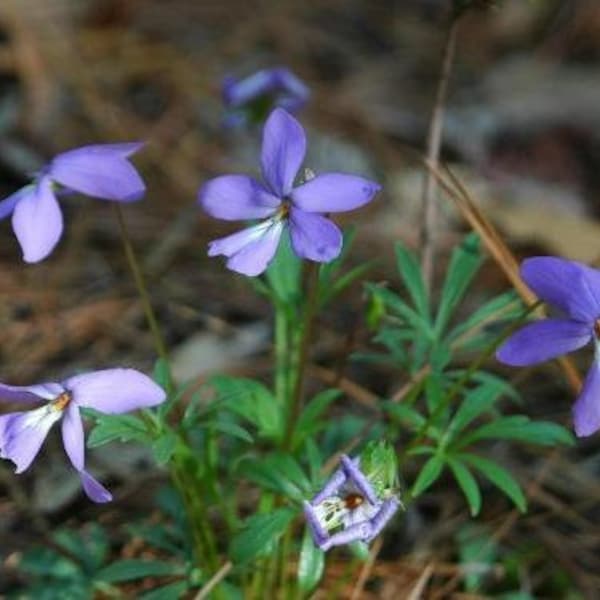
<point>496,246</point>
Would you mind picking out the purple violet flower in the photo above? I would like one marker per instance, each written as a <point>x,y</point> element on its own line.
<point>280,204</point>
<point>102,171</point>
<point>255,95</point>
<point>347,509</point>
<point>574,289</point>
<point>111,391</point>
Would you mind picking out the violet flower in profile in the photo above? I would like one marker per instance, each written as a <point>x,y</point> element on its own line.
<point>356,503</point>
<point>251,98</point>
<point>281,204</point>
<point>112,391</point>
<point>101,171</point>
<point>574,289</point>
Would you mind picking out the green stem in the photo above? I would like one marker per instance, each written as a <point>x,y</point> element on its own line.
<point>282,354</point>
<point>142,289</point>
<point>303,346</point>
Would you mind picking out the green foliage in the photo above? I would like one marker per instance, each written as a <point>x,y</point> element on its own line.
<point>252,401</point>
<point>451,410</point>
<point>259,534</point>
<point>123,428</point>
<point>311,564</point>
<point>75,567</point>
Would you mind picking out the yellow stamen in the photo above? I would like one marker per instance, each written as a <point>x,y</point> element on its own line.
<point>61,401</point>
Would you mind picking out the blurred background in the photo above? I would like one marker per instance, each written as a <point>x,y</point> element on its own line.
<point>522,130</point>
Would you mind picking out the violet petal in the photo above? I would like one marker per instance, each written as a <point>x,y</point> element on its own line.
<point>8,204</point>
<point>358,478</point>
<point>37,221</point>
<point>251,250</point>
<point>23,434</point>
<point>30,393</point>
<point>570,286</point>
<point>94,490</point>
<point>586,410</point>
<point>101,171</point>
<point>314,237</point>
<point>115,391</point>
<point>283,150</point>
<point>72,435</point>
<point>236,197</point>
<point>334,192</point>
<point>543,340</point>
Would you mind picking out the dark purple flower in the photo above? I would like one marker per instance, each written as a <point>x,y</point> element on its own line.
<point>102,171</point>
<point>112,391</point>
<point>574,289</point>
<point>258,93</point>
<point>280,204</point>
<point>348,509</point>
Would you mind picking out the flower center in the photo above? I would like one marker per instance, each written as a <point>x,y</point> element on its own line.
<point>597,328</point>
<point>61,402</point>
<point>284,210</point>
<point>353,501</point>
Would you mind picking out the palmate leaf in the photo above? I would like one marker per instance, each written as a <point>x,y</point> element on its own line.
<point>131,569</point>
<point>497,475</point>
<point>467,484</point>
<point>464,263</point>
<point>504,307</point>
<point>310,420</point>
<point>279,473</point>
<point>410,272</point>
<point>252,401</point>
<point>522,428</point>
<point>476,403</point>
<point>396,305</point>
<point>124,428</point>
<point>430,472</point>
<point>259,534</point>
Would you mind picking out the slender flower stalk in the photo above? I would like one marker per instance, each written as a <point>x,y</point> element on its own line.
<point>142,288</point>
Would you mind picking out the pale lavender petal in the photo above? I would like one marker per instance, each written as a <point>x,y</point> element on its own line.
<point>331,487</point>
<point>239,91</point>
<point>290,92</point>
<point>570,286</point>
<point>381,519</point>
<point>354,473</point>
<point>543,340</point>
<point>296,92</point>
<point>8,204</point>
<point>318,532</point>
<point>23,433</point>
<point>314,236</point>
<point>115,391</point>
<point>586,411</point>
<point>30,393</point>
<point>356,533</point>
<point>334,192</point>
<point>237,197</point>
<point>101,171</point>
<point>72,435</point>
<point>283,150</point>
<point>94,489</point>
<point>37,222</point>
<point>251,250</point>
